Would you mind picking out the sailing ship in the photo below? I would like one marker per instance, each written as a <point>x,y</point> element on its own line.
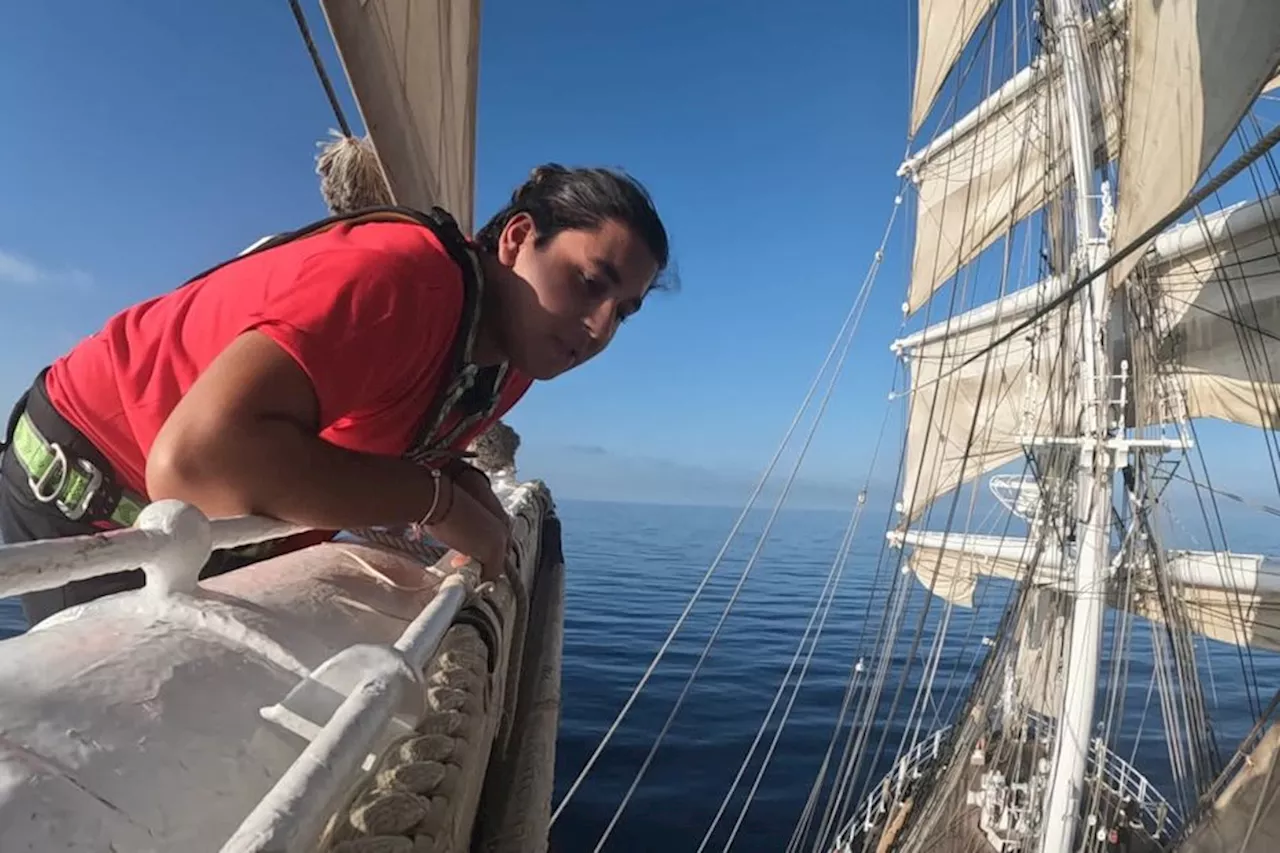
<point>1145,310</point>
<point>1086,296</point>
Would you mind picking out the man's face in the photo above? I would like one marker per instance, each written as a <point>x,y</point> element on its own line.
<point>572,292</point>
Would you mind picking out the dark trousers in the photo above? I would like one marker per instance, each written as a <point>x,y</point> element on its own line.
<point>23,518</point>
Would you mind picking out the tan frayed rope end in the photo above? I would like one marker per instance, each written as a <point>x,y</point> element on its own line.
<point>350,176</point>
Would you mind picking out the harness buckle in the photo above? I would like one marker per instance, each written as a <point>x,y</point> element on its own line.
<point>40,487</point>
<point>77,510</point>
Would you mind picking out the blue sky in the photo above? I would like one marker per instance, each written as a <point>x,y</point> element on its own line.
<point>148,140</point>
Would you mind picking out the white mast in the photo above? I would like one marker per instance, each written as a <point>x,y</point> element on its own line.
<point>1093,494</point>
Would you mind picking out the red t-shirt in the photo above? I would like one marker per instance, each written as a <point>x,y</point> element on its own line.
<point>369,312</point>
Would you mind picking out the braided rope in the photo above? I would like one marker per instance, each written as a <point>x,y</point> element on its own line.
<point>407,805</point>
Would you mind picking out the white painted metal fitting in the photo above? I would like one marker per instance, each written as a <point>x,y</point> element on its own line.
<point>184,542</point>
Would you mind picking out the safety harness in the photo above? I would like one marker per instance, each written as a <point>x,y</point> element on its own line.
<point>82,491</point>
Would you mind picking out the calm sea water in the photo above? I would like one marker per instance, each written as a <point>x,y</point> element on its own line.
<point>631,570</point>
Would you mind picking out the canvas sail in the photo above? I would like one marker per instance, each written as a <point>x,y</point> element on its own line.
<point>1228,597</point>
<point>413,66</point>
<point>967,417</point>
<point>999,164</point>
<point>1245,818</point>
<point>1216,284</point>
<point>944,28</point>
<point>1194,69</point>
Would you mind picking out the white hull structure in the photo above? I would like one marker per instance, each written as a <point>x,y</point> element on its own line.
<point>244,713</point>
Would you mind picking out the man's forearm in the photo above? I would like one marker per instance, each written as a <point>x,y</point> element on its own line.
<point>277,469</point>
<point>274,468</point>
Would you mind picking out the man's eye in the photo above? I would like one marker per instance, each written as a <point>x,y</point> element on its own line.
<point>595,287</point>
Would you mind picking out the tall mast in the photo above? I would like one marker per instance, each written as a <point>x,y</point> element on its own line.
<point>1093,492</point>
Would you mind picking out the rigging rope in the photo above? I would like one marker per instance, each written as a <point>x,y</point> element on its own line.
<point>828,595</point>
<point>859,307</point>
<point>803,823</point>
<point>329,92</point>
<point>851,320</point>
<point>715,564</point>
<point>1270,510</point>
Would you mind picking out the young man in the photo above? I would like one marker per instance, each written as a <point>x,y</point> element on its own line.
<point>330,377</point>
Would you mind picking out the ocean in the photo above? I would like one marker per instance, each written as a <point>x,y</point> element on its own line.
<point>630,571</point>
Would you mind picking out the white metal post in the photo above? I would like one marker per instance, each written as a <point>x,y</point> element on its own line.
<point>1093,496</point>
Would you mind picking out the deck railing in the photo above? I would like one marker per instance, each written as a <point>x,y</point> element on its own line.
<point>905,770</point>
<point>293,814</point>
<point>1117,776</point>
<point>171,541</point>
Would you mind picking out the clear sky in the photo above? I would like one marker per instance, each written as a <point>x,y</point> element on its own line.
<point>147,140</point>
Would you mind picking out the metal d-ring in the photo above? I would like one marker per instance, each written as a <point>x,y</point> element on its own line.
<point>60,463</point>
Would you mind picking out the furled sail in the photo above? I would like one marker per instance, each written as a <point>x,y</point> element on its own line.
<point>944,28</point>
<point>967,419</point>
<point>1224,609</point>
<point>1002,162</point>
<point>413,66</point>
<point>1194,69</point>
<point>1228,597</point>
<point>949,564</point>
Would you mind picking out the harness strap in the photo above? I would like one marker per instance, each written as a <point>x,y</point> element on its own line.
<point>429,447</point>
<point>79,489</point>
<point>73,484</point>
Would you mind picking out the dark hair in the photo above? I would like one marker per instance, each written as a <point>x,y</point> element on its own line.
<point>560,199</point>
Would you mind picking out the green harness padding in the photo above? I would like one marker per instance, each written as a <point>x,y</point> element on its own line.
<point>76,482</point>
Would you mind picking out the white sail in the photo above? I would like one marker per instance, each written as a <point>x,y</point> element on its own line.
<point>1243,818</point>
<point>944,28</point>
<point>999,164</point>
<point>1228,597</point>
<point>1194,69</point>
<point>1227,610</point>
<point>1217,284</point>
<point>949,565</point>
<point>967,419</point>
<point>413,66</point>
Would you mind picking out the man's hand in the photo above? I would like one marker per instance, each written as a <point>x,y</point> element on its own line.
<point>474,483</point>
<point>468,525</point>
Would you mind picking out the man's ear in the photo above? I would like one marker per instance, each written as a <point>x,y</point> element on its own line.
<point>516,234</point>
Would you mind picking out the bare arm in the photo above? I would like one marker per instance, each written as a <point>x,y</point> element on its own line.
<point>243,440</point>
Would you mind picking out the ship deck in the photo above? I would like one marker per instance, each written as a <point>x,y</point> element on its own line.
<point>955,826</point>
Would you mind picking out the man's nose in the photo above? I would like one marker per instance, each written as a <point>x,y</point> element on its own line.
<point>599,321</point>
